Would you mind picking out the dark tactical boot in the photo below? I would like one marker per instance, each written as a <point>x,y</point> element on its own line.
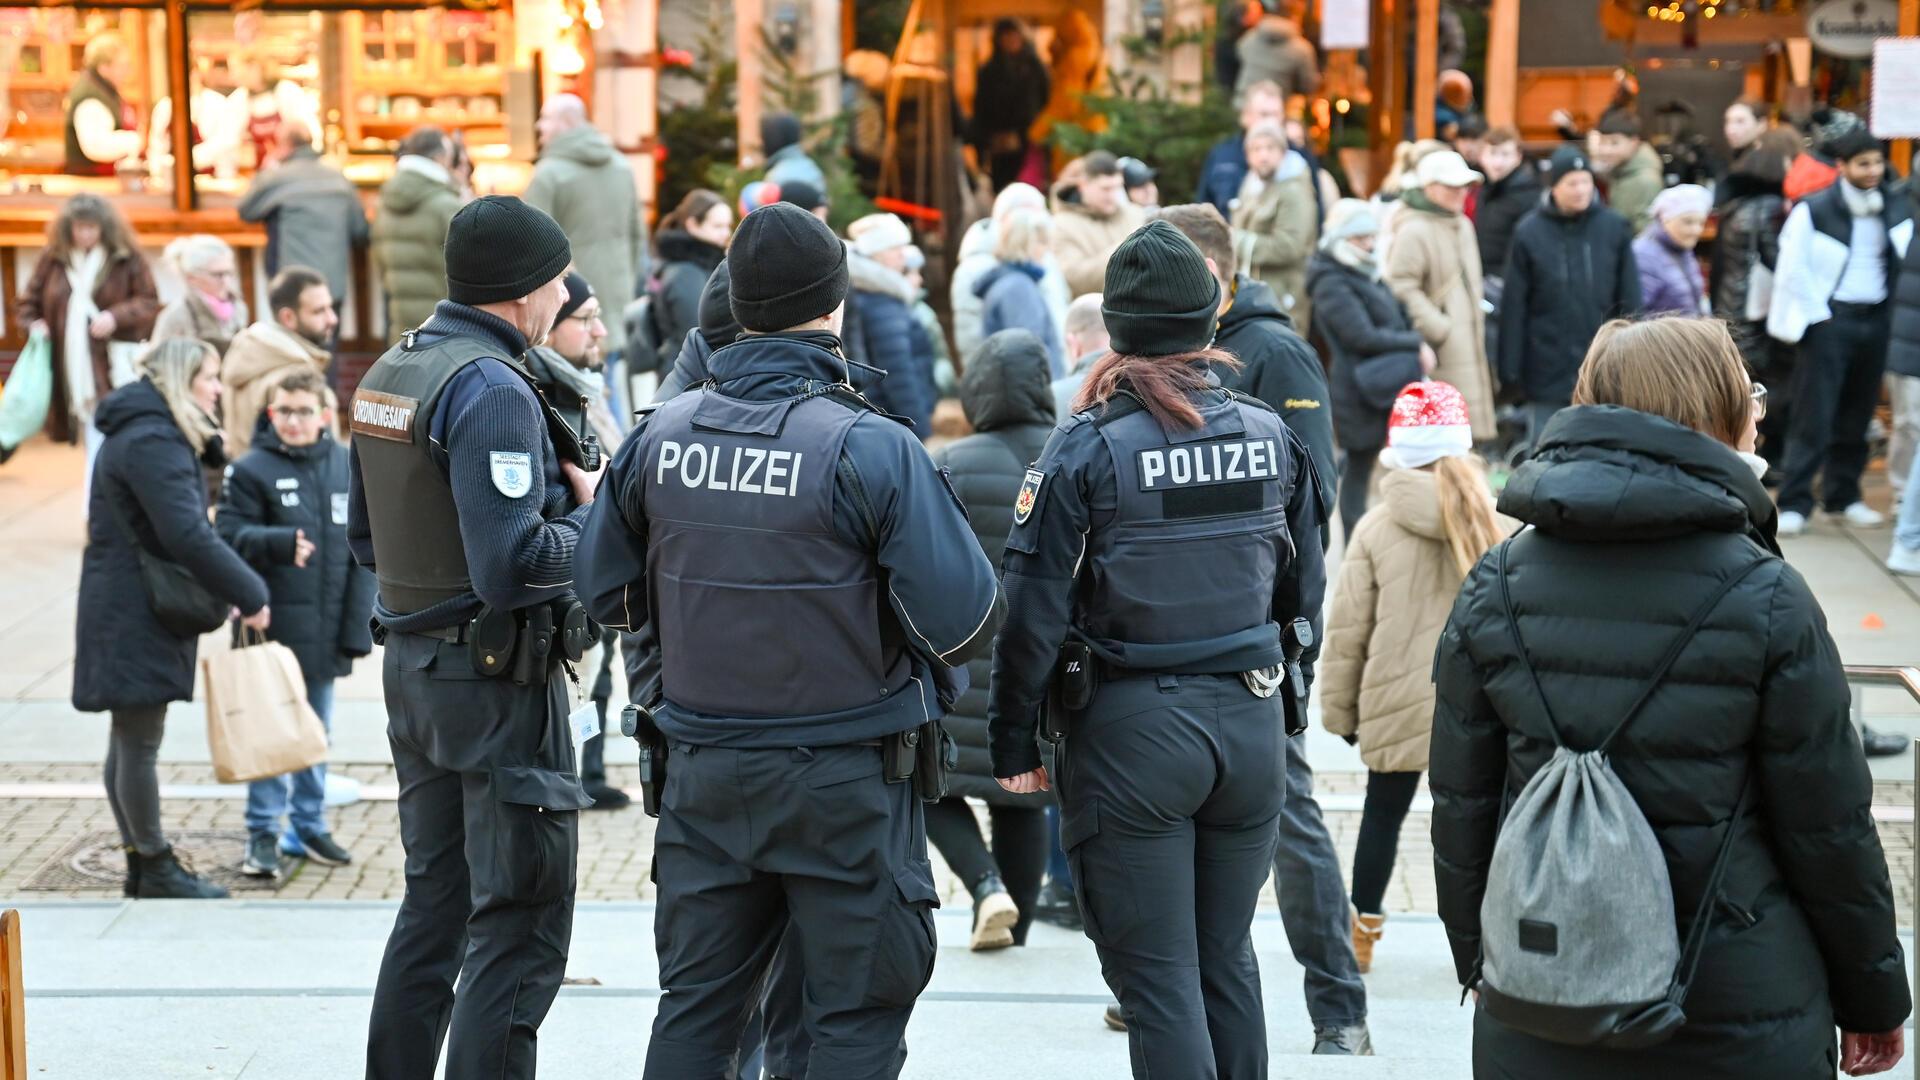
<point>162,877</point>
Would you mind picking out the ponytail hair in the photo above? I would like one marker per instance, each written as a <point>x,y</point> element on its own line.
<point>1164,384</point>
<point>1466,509</point>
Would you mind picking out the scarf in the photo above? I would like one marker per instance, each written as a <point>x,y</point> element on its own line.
<point>76,350</point>
<point>1353,258</point>
<point>1863,203</point>
<point>592,386</point>
<point>220,307</point>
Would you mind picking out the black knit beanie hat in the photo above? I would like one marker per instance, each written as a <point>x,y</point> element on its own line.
<point>499,248</point>
<point>1566,160</point>
<point>717,324</point>
<point>1160,297</point>
<point>787,268</point>
<point>579,291</point>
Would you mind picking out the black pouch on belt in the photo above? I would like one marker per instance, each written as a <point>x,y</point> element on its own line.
<point>900,755</point>
<point>936,753</point>
<point>491,638</point>
<point>531,660</point>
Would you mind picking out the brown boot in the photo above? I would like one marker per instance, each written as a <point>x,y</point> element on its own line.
<point>1367,929</point>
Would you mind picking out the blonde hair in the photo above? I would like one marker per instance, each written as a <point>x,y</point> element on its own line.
<point>1016,236</point>
<point>1466,509</point>
<point>1406,159</point>
<point>171,366</point>
<point>1685,369</point>
<point>193,254</point>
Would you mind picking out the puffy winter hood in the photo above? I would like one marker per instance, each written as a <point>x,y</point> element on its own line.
<point>129,405</point>
<point>977,240</point>
<point>679,245</point>
<point>266,347</point>
<point>1741,184</point>
<point>408,190</point>
<point>1609,473</point>
<point>583,144</point>
<point>1253,299</point>
<point>1412,498</point>
<point>1008,382</point>
<point>871,277</point>
<point>985,282</point>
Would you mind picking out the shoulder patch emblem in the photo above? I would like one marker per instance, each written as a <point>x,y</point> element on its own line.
<point>512,473</point>
<point>1029,495</point>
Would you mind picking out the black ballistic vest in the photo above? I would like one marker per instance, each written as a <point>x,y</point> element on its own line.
<point>1182,578</point>
<point>762,610</point>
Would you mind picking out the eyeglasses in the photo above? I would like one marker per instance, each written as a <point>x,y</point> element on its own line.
<point>291,412</point>
<point>587,317</point>
<point>1759,396</point>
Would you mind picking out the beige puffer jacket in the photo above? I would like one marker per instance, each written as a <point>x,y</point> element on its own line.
<point>1397,584</point>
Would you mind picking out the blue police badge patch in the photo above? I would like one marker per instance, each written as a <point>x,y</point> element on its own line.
<point>1029,495</point>
<point>512,473</point>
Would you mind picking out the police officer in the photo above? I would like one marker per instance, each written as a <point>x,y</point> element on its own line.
<point>815,591</point>
<point>568,371</point>
<point>1170,529</point>
<point>468,512</point>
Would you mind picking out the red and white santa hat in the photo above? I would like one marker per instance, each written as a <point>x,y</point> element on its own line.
<point>1428,422</point>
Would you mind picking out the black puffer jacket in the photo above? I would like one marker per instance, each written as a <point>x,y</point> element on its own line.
<point>685,265</point>
<point>1373,349</point>
<point>1749,237</point>
<point>146,474</point>
<point>1635,521</point>
<point>1566,275</point>
<point>1903,349</point>
<point>1009,401</point>
<point>1279,368</point>
<point>1497,213</point>
<point>320,611</point>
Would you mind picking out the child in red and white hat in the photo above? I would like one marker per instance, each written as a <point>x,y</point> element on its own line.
<point>1433,519</point>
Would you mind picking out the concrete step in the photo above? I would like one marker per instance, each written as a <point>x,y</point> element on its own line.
<point>231,989</point>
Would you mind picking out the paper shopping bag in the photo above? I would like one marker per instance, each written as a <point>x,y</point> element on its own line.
<point>258,721</point>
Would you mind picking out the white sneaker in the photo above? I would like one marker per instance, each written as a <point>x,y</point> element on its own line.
<point>1792,523</point>
<point>1861,516</point>
<point>1904,560</point>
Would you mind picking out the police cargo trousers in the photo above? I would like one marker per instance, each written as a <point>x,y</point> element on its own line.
<point>489,812</point>
<point>810,843</point>
<point>1170,792</point>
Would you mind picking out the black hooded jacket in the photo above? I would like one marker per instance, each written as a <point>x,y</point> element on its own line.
<point>1279,368</point>
<point>322,610</point>
<point>1008,398</point>
<point>146,480</point>
<point>1566,275</point>
<point>685,265</point>
<point>1374,351</point>
<point>1497,212</point>
<point>1635,522</point>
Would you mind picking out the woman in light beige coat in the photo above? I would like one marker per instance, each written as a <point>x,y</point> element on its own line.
<point>1433,268</point>
<point>1398,577</point>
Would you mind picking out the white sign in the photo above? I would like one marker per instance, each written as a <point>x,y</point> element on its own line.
<point>1896,88</point>
<point>1345,24</point>
<point>1849,27</point>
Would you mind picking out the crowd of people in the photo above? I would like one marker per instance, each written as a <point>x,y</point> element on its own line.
<point>1487,318</point>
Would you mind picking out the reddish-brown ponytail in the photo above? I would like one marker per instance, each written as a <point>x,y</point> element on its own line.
<point>1162,383</point>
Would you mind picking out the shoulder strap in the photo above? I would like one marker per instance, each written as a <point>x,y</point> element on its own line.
<point>1696,943</point>
<point>1660,670</point>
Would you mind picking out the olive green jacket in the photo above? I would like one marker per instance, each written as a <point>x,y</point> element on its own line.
<point>409,233</point>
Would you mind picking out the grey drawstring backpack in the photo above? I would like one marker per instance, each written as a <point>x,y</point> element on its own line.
<point>1578,939</point>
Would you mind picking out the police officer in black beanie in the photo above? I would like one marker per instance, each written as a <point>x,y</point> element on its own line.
<point>815,592</point>
<point>467,496</point>
<point>1167,535</point>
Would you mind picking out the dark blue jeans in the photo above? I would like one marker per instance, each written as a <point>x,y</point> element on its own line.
<point>1313,901</point>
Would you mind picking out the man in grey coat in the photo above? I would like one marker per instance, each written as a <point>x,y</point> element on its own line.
<point>313,214</point>
<point>586,185</point>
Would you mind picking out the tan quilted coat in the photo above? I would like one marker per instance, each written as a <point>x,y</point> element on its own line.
<point>1397,584</point>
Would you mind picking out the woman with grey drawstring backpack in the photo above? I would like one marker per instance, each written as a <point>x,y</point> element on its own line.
<point>1644,639</point>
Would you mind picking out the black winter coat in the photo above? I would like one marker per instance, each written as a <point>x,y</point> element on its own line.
<point>1373,349</point>
<point>1750,222</point>
<point>1636,520</point>
<point>320,611</point>
<point>1903,347</point>
<point>147,475</point>
<point>1497,213</point>
<point>1279,368</point>
<point>1008,398</point>
<point>685,265</point>
<point>1566,275</point>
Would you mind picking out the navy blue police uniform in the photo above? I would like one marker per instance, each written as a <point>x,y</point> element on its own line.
<point>459,506</point>
<point>1175,556</point>
<point>814,592</point>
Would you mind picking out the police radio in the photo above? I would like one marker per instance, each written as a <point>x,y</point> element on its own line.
<point>590,453</point>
